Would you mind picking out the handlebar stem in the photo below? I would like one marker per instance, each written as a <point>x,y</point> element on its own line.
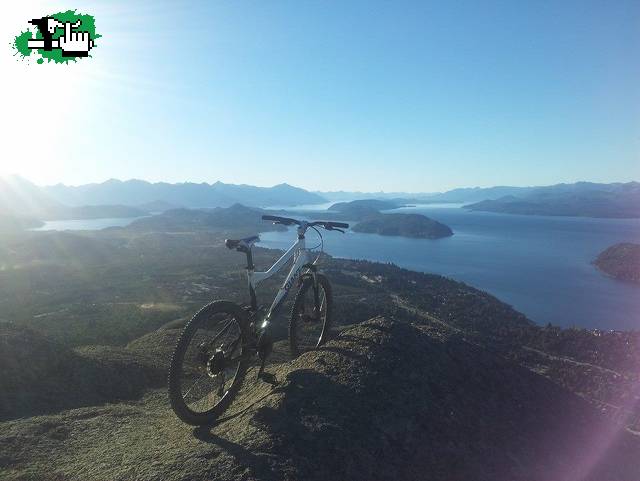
<point>302,229</point>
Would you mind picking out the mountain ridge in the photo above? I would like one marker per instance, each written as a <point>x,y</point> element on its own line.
<point>135,197</point>
<point>472,194</point>
<point>185,194</point>
<point>582,199</point>
<point>21,199</point>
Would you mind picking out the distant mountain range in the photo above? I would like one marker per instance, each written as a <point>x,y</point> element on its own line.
<point>191,195</point>
<point>468,195</point>
<point>460,195</point>
<point>475,194</point>
<point>348,196</point>
<point>583,199</point>
<point>20,199</point>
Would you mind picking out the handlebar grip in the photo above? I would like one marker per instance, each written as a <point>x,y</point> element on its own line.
<point>280,220</point>
<point>339,225</point>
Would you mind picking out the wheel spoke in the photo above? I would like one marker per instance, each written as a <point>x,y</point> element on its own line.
<point>194,385</point>
<point>218,332</point>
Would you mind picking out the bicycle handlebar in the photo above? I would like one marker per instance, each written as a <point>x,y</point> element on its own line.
<point>281,220</point>
<point>329,225</point>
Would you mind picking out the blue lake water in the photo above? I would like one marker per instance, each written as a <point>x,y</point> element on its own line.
<point>540,265</point>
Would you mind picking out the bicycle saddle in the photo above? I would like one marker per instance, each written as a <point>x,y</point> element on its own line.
<point>239,244</point>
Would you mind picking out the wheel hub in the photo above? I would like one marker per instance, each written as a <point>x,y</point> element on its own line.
<point>216,363</point>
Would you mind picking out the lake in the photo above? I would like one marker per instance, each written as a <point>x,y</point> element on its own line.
<point>540,265</point>
<point>86,224</point>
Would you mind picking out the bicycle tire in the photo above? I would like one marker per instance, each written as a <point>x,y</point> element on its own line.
<point>177,366</point>
<point>295,326</point>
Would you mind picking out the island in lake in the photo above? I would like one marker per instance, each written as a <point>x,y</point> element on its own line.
<point>621,261</point>
<point>407,225</point>
<point>359,209</point>
<point>372,221</point>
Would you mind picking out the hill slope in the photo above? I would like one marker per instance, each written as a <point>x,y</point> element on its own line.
<point>236,217</point>
<point>621,261</point>
<point>40,375</point>
<point>386,400</point>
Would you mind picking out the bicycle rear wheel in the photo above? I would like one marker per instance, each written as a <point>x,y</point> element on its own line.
<point>209,363</point>
<point>310,323</point>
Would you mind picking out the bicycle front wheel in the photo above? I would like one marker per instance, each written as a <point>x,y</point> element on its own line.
<point>209,363</point>
<point>311,315</point>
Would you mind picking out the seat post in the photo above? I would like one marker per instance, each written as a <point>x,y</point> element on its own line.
<point>250,265</point>
<point>250,268</point>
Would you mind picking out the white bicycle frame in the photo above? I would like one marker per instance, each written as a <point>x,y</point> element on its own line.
<point>302,260</point>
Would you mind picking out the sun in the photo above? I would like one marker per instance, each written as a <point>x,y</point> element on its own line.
<point>41,104</point>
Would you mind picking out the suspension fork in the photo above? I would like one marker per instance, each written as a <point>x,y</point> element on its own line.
<point>316,290</point>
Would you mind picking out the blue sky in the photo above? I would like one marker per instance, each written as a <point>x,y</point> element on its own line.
<point>328,95</point>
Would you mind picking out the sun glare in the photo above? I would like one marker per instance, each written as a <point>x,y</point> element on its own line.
<point>36,102</point>
<point>48,109</point>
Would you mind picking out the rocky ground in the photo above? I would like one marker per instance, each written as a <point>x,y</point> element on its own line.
<point>384,400</point>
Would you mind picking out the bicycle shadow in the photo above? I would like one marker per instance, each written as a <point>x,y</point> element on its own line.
<point>292,426</point>
<point>303,420</point>
<point>258,465</point>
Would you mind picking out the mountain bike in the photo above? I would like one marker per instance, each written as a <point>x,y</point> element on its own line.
<point>219,343</point>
